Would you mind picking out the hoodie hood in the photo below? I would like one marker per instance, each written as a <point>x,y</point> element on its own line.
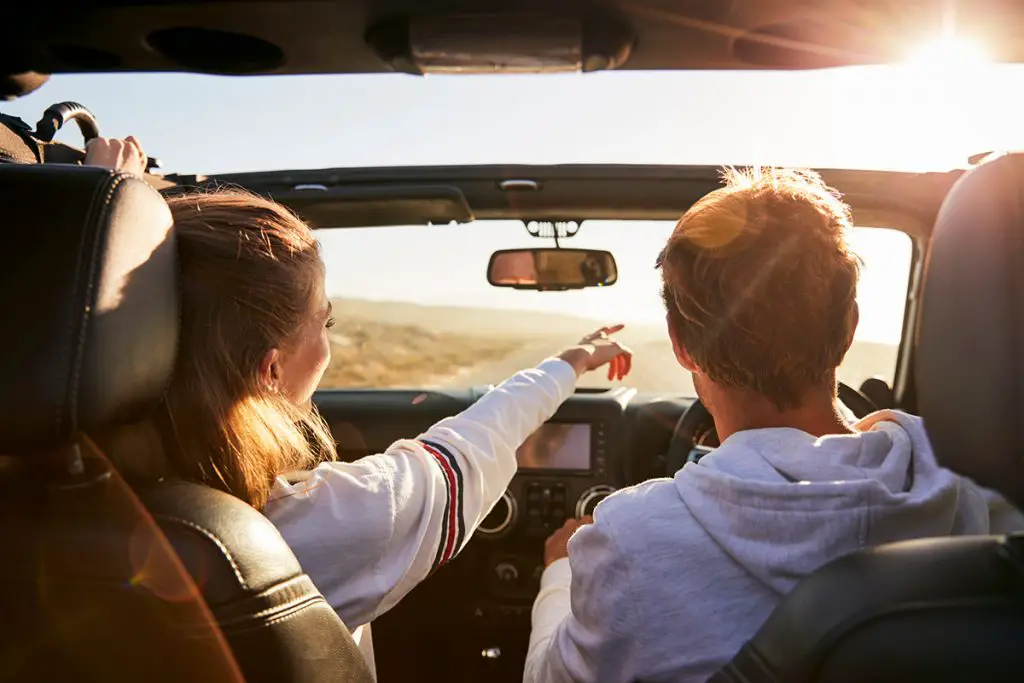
<point>781,502</point>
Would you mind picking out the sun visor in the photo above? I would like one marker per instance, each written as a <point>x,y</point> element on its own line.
<point>354,206</point>
<point>13,86</point>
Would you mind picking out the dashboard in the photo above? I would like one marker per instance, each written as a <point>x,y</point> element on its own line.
<point>598,442</point>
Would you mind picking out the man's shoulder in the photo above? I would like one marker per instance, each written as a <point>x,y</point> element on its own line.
<point>640,506</point>
<point>652,491</point>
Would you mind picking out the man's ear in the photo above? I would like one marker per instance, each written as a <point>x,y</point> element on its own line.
<point>270,371</point>
<point>680,349</point>
<point>854,320</point>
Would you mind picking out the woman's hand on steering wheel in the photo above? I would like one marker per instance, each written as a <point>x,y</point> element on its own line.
<point>118,155</point>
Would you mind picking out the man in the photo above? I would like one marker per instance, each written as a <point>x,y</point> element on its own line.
<point>674,575</point>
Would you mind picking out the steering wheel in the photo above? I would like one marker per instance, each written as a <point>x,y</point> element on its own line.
<point>695,436</point>
<point>56,116</point>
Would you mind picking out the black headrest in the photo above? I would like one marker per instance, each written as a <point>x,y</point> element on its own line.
<point>970,365</point>
<point>88,303</point>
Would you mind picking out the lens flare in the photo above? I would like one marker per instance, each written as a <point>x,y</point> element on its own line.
<point>948,51</point>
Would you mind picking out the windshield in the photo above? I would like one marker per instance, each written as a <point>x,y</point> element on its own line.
<point>868,117</point>
<point>414,309</point>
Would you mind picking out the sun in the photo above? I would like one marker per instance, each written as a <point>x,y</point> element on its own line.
<point>948,51</point>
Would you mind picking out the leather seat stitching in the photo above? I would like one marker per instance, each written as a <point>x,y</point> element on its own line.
<point>284,617</point>
<point>296,613</point>
<point>270,611</point>
<point>78,347</point>
<point>216,541</point>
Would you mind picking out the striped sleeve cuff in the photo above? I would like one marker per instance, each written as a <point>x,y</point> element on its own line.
<point>453,532</point>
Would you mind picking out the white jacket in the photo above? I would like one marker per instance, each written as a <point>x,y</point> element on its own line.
<point>367,532</point>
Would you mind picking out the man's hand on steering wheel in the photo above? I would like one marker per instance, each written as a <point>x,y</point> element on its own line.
<point>557,545</point>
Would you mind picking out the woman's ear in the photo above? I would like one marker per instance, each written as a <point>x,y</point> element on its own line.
<point>270,371</point>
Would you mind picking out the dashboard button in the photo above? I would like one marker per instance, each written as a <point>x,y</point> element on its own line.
<point>506,572</point>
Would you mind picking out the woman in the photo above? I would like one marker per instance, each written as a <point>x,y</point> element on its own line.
<point>238,414</point>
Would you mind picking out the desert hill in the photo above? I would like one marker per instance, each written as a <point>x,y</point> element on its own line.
<point>398,344</point>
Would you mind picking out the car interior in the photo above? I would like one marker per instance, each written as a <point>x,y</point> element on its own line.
<point>106,581</point>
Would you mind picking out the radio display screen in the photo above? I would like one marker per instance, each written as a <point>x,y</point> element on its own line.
<point>557,446</point>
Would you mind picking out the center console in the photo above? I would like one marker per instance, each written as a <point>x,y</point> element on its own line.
<point>566,468</point>
<point>479,604</point>
<point>563,472</point>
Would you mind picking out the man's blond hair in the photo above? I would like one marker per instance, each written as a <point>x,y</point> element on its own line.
<point>760,285</point>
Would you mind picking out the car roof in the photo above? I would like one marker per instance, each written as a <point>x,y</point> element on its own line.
<point>363,197</point>
<point>356,36</point>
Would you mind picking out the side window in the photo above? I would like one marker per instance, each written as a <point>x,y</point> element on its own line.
<point>886,258</point>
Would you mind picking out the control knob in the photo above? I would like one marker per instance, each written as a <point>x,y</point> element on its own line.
<point>501,517</point>
<point>591,497</point>
<point>506,572</point>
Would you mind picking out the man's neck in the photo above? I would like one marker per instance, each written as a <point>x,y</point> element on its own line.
<point>817,414</point>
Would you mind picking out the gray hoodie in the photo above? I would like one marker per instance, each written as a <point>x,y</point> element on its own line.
<point>676,574</point>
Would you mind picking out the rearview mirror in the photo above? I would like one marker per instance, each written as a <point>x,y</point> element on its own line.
<point>552,269</point>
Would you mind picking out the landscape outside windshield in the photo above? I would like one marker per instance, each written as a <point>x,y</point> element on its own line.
<point>930,116</point>
<point>414,309</point>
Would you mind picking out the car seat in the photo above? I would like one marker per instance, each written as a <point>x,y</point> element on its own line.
<point>98,581</point>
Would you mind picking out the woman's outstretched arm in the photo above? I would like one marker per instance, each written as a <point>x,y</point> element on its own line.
<point>369,531</point>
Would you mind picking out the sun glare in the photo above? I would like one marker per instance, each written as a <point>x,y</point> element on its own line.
<point>948,51</point>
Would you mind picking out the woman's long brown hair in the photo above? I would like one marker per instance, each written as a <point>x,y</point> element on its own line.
<point>250,270</point>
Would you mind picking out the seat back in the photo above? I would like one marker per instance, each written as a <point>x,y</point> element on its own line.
<point>970,357</point>
<point>929,610</point>
<point>92,591</point>
<point>101,582</point>
<point>939,609</point>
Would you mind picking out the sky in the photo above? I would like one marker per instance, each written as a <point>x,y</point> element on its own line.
<point>929,115</point>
